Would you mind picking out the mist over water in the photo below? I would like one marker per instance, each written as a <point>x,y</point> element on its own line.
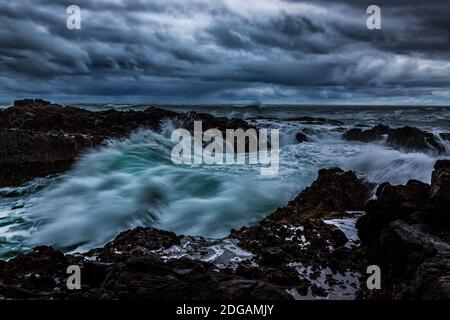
<point>133,182</point>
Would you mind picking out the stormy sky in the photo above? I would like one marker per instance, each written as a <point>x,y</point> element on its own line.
<point>226,51</point>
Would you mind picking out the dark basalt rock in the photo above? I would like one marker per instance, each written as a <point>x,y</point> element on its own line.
<point>440,185</point>
<point>415,262</point>
<point>376,133</point>
<point>432,278</point>
<point>32,275</point>
<point>413,139</point>
<point>45,117</point>
<point>25,154</point>
<point>445,136</point>
<point>334,192</point>
<point>414,203</point>
<point>28,102</point>
<point>267,240</point>
<point>128,268</point>
<point>405,138</point>
<point>406,232</point>
<point>279,246</point>
<point>38,138</point>
<point>210,121</point>
<point>152,278</point>
<point>301,137</point>
<point>135,243</point>
<point>392,203</point>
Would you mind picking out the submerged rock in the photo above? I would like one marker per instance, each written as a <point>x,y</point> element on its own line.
<point>301,137</point>
<point>405,138</point>
<point>376,133</point>
<point>413,139</point>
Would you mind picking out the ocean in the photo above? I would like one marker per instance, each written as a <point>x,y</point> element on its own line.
<point>132,182</point>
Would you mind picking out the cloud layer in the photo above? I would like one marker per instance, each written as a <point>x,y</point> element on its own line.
<point>227,51</point>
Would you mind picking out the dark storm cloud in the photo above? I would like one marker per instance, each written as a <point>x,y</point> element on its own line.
<point>226,51</point>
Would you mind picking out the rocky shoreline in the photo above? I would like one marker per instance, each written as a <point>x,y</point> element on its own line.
<point>39,138</point>
<point>405,138</point>
<point>316,247</point>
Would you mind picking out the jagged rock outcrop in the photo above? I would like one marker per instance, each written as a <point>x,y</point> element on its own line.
<point>376,133</point>
<point>332,194</point>
<point>135,243</point>
<point>298,235</point>
<point>41,274</point>
<point>25,154</point>
<point>406,232</point>
<point>413,139</point>
<point>39,138</point>
<point>404,138</point>
<point>153,278</point>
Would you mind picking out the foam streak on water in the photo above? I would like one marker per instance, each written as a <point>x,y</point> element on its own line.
<point>134,183</point>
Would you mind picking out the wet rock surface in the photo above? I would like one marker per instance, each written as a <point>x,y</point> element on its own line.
<point>405,138</point>
<point>304,120</point>
<point>38,138</point>
<point>135,243</point>
<point>332,194</point>
<point>327,262</point>
<point>413,139</point>
<point>376,133</point>
<point>406,232</point>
